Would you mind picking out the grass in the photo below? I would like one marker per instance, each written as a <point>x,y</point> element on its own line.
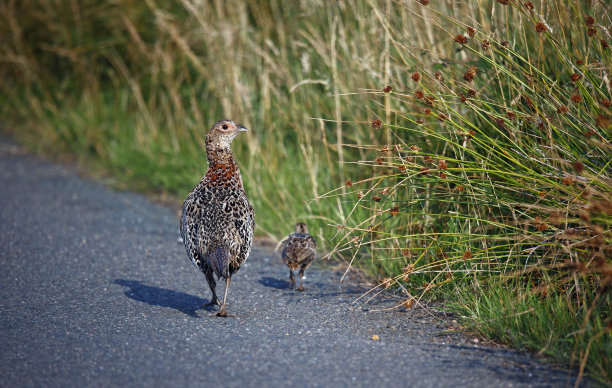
<point>550,326</point>
<point>462,157</point>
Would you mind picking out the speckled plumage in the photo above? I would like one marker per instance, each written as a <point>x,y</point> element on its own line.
<point>217,220</point>
<point>299,251</point>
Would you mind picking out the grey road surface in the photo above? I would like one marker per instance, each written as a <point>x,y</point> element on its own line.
<point>96,290</point>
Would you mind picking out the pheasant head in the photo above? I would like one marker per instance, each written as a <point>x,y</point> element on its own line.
<point>220,137</point>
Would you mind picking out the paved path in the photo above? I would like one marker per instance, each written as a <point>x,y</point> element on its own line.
<point>96,290</point>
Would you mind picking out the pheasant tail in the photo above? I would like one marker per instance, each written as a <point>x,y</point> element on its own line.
<point>218,256</point>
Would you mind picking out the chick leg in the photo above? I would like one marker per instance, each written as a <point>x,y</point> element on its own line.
<point>222,312</point>
<point>301,288</point>
<point>291,280</point>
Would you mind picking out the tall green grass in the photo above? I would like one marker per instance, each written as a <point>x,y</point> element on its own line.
<point>454,149</point>
<point>496,184</point>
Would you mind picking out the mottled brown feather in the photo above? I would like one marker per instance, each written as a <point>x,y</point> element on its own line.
<point>217,219</point>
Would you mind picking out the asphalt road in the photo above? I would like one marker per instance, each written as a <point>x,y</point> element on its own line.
<point>96,290</point>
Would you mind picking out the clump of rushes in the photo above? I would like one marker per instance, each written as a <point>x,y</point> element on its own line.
<point>519,201</point>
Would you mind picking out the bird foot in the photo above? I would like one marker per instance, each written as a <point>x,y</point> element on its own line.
<point>214,302</point>
<point>300,289</point>
<point>222,312</point>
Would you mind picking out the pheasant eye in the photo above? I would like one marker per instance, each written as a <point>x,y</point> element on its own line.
<point>224,126</point>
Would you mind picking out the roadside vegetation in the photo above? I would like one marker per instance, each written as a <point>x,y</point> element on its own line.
<point>454,150</point>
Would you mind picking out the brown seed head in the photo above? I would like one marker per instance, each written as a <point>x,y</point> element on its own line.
<point>360,195</point>
<point>429,100</point>
<point>505,43</point>
<point>540,27</point>
<point>604,44</point>
<point>567,180</point>
<point>460,188</point>
<point>379,160</point>
<point>591,32</point>
<point>427,111</point>
<point>349,183</point>
<point>578,166</point>
<point>387,282</point>
<point>376,124</point>
<point>589,133</point>
<point>424,2</point>
<point>424,171</point>
<point>420,121</point>
<point>555,218</point>
<point>606,103</point>
<point>575,77</point>
<point>418,94</point>
<point>500,122</point>
<point>415,77</point>
<point>442,117</point>
<point>462,98</point>
<point>469,76</point>
<point>576,97</point>
<point>394,211</point>
<point>439,76</point>
<point>602,121</point>
<point>415,147</point>
<point>590,20</point>
<point>402,168</point>
<point>562,109</point>
<point>542,124</point>
<point>376,198</point>
<point>442,165</point>
<point>471,92</point>
<point>485,45</point>
<point>442,175</point>
<point>529,5</point>
<point>387,89</point>
<point>503,2</point>
<point>467,255</point>
<point>460,39</point>
<point>579,62</point>
<point>471,31</point>
<point>510,115</point>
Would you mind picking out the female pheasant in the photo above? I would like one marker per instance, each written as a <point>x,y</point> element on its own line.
<point>217,221</point>
<point>299,251</point>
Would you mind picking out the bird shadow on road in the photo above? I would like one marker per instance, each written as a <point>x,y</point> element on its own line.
<point>314,289</point>
<point>274,283</point>
<point>156,296</point>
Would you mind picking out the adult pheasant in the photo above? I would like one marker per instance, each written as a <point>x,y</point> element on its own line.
<point>299,251</point>
<point>217,221</point>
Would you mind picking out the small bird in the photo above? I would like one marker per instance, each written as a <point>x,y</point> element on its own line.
<point>217,219</point>
<point>299,251</point>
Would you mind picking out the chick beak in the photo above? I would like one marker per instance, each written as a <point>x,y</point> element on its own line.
<point>241,128</point>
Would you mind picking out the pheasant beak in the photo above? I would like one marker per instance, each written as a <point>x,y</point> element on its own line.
<point>240,128</point>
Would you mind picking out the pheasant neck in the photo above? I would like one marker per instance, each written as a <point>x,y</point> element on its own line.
<point>219,155</point>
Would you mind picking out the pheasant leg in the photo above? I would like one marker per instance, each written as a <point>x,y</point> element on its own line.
<point>291,280</point>
<point>301,288</point>
<point>222,312</point>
